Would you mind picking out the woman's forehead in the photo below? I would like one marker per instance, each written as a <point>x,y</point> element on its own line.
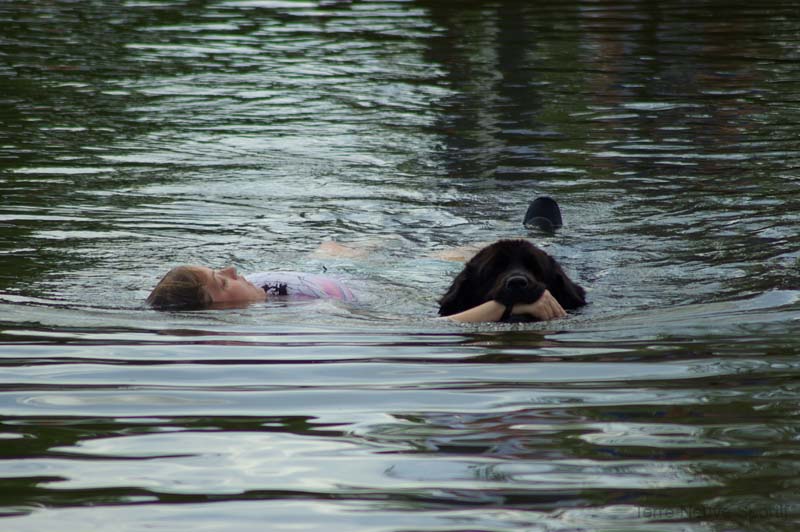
<point>203,271</point>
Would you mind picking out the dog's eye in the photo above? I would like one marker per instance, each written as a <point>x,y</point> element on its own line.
<point>494,270</point>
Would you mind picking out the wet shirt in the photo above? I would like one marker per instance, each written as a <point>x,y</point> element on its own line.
<point>297,285</point>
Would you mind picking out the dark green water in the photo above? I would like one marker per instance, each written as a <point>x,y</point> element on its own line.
<point>138,135</point>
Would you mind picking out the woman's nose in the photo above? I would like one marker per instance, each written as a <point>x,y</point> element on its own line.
<point>230,272</point>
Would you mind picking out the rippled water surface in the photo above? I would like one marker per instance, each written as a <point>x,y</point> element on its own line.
<point>138,135</point>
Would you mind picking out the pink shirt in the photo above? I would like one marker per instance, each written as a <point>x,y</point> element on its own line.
<point>299,285</point>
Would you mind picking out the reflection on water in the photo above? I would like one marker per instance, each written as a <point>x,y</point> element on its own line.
<point>140,135</point>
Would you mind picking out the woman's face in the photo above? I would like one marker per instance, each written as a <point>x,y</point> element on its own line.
<point>225,286</point>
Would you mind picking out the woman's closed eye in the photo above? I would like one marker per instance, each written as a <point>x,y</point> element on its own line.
<point>223,282</point>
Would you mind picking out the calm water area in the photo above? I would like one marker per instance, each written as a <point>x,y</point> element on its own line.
<point>137,135</point>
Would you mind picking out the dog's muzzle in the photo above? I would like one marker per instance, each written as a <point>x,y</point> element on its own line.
<point>516,282</point>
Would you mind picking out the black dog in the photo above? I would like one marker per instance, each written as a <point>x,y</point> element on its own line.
<point>510,271</point>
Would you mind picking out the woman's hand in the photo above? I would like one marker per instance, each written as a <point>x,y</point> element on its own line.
<point>545,308</point>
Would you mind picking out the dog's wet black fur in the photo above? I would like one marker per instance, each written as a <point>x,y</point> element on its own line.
<point>510,271</point>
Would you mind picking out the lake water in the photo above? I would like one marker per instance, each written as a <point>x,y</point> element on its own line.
<point>142,134</point>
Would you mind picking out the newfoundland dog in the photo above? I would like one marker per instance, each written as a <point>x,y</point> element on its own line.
<point>510,271</point>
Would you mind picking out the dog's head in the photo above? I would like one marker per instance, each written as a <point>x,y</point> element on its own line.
<point>511,271</point>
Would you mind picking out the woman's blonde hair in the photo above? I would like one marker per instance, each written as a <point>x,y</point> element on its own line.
<point>181,288</point>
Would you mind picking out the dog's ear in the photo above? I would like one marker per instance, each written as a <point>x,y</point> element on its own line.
<point>459,296</point>
<point>567,293</point>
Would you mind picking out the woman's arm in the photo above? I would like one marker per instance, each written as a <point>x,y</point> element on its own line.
<point>329,248</point>
<point>545,308</point>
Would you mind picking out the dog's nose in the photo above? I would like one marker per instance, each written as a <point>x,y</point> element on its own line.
<point>516,282</point>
